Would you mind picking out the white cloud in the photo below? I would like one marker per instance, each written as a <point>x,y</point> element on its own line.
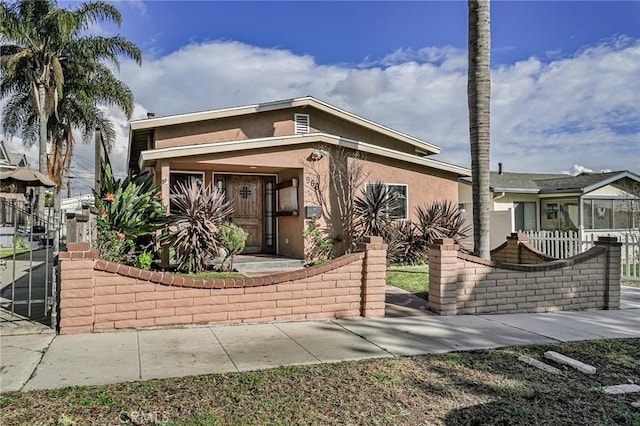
<point>577,169</point>
<point>546,116</point>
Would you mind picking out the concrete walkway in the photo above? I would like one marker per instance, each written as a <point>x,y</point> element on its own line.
<point>46,361</point>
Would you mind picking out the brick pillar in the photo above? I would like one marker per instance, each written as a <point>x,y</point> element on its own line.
<point>443,277</point>
<point>76,288</point>
<point>612,271</point>
<point>509,252</point>
<point>374,275</point>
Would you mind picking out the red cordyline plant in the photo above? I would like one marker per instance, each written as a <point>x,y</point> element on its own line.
<point>197,213</point>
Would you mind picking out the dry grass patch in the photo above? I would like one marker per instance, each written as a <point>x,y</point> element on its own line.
<point>466,388</point>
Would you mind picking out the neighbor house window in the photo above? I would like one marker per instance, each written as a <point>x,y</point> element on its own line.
<point>183,177</point>
<point>610,213</point>
<point>401,192</point>
<point>559,214</point>
<point>302,123</point>
<point>602,214</point>
<point>525,216</point>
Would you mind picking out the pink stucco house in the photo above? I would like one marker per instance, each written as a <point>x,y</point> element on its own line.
<point>265,157</point>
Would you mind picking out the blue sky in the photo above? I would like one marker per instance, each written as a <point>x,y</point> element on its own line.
<point>352,32</point>
<point>565,75</point>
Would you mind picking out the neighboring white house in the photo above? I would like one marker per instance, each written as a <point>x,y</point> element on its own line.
<point>602,203</point>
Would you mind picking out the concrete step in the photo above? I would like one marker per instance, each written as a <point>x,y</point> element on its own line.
<point>266,263</point>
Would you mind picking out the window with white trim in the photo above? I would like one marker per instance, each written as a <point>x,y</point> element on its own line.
<point>401,190</point>
<point>302,123</point>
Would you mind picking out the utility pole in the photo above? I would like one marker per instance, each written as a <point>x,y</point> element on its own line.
<point>98,159</point>
<point>69,186</point>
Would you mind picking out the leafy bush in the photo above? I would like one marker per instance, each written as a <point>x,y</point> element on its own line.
<point>196,213</point>
<point>143,261</point>
<point>114,246</point>
<point>319,245</point>
<point>128,209</point>
<point>373,209</point>
<point>233,239</point>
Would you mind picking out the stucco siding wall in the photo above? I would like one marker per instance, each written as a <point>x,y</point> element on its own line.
<point>269,124</point>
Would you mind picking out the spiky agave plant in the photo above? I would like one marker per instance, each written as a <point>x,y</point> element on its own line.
<point>404,243</point>
<point>440,219</point>
<point>197,212</point>
<point>373,209</point>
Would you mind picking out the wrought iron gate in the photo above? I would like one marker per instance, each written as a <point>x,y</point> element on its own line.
<point>28,283</point>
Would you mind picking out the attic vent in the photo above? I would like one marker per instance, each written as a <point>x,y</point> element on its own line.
<point>302,123</point>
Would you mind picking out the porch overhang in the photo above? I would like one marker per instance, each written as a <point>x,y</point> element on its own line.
<point>150,157</point>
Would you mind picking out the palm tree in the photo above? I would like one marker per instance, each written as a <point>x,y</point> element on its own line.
<point>77,110</point>
<point>479,97</point>
<point>46,48</point>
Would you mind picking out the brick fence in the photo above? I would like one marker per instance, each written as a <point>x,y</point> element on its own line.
<point>100,295</point>
<point>463,284</point>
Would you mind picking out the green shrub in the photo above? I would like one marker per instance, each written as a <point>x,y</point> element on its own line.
<point>128,209</point>
<point>233,239</point>
<point>319,246</point>
<point>143,261</point>
<point>114,246</point>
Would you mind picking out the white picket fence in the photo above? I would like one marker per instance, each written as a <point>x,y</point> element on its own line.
<point>563,244</point>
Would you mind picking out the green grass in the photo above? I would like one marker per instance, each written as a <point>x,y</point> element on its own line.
<point>414,280</point>
<point>5,253</point>
<point>213,275</point>
<point>458,388</point>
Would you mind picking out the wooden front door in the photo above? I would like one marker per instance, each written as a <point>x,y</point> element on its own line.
<point>246,193</point>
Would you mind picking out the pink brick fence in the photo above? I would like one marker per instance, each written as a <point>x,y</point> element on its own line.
<point>100,295</point>
<point>463,284</point>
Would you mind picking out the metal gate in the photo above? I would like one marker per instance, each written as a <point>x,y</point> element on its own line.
<point>28,267</point>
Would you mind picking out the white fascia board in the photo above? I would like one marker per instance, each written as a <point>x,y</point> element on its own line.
<point>516,190</point>
<point>150,123</point>
<point>150,156</point>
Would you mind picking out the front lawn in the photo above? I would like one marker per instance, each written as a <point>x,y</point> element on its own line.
<point>8,252</point>
<point>413,279</point>
<point>459,388</point>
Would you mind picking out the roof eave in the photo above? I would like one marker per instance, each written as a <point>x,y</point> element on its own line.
<point>149,157</point>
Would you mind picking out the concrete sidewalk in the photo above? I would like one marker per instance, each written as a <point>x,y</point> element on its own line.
<point>46,361</point>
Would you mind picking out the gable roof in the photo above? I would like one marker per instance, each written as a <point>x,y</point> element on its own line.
<point>537,183</point>
<point>307,101</point>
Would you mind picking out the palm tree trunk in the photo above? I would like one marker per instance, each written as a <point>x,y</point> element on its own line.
<point>42,146</point>
<point>479,98</point>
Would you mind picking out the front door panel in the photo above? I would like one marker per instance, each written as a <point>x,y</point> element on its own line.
<point>246,193</point>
